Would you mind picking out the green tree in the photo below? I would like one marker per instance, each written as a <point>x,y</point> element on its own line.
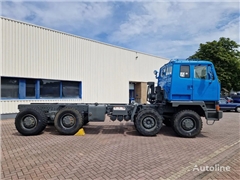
<point>225,56</point>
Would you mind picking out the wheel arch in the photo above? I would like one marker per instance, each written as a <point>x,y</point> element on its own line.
<point>196,108</point>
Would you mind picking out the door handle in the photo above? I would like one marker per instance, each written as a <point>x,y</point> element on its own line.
<point>190,87</point>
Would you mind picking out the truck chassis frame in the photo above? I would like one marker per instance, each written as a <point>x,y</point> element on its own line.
<point>184,117</point>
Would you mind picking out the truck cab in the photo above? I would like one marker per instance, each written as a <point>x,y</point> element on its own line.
<point>185,80</point>
<point>186,84</point>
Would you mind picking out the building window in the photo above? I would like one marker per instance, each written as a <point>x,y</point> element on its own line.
<point>9,87</point>
<point>30,88</point>
<point>70,89</point>
<point>49,89</point>
<point>185,71</point>
<point>20,88</point>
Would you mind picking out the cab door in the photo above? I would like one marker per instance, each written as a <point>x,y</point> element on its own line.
<point>182,87</point>
<point>205,83</point>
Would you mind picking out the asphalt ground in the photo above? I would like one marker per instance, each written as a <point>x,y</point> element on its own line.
<point>114,150</point>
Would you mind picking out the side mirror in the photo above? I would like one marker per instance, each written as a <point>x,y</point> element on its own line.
<point>155,72</point>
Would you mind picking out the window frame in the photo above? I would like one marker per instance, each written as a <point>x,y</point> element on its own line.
<point>50,97</point>
<point>22,89</point>
<point>79,90</point>
<point>180,71</point>
<point>18,88</point>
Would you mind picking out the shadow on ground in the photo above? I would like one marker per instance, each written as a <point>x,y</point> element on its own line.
<point>122,129</point>
<point>127,129</point>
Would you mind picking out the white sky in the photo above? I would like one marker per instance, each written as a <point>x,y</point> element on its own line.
<point>170,29</point>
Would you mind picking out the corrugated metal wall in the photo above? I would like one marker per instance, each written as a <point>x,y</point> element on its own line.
<point>105,71</point>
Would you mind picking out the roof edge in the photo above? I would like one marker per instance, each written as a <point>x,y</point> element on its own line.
<point>34,25</point>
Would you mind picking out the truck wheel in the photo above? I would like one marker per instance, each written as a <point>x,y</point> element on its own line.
<point>30,121</point>
<point>68,121</point>
<point>237,109</point>
<point>187,123</point>
<point>148,122</point>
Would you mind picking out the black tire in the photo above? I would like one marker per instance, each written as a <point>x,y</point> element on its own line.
<point>135,124</point>
<point>68,121</point>
<point>148,122</point>
<point>30,121</point>
<point>187,123</point>
<point>167,122</point>
<point>237,109</point>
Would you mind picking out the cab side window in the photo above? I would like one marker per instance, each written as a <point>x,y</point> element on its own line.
<point>210,73</point>
<point>184,71</point>
<point>169,70</point>
<point>163,72</point>
<point>200,72</point>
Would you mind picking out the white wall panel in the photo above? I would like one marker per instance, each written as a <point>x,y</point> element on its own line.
<point>105,71</point>
<point>11,106</point>
<point>1,47</point>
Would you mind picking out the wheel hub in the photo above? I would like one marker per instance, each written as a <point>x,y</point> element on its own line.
<point>188,124</point>
<point>29,121</point>
<point>68,121</point>
<point>149,122</point>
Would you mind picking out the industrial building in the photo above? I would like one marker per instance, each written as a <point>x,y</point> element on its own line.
<point>41,65</point>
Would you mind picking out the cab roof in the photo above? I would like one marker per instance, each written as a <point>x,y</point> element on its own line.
<point>190,61</point>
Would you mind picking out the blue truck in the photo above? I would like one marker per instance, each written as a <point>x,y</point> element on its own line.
<point>186,91</point>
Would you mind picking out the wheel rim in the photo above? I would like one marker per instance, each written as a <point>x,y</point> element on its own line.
<point>238,109</point>
<point>68,121</point>
<point>29,122</point>
<point>149,122</point>
<point>188,124</point>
